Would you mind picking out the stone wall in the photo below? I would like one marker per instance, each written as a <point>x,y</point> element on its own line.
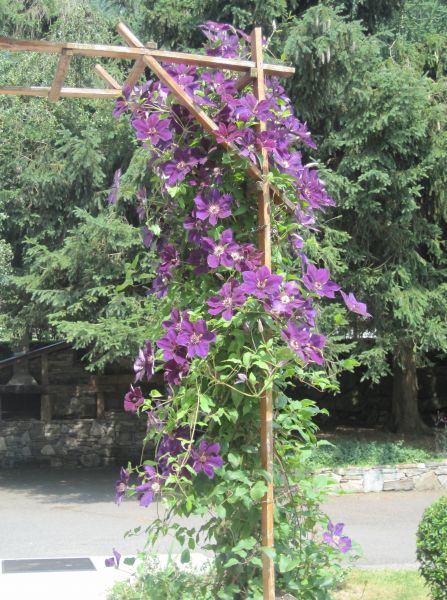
<point>389,478</point>
<point>114,439</point>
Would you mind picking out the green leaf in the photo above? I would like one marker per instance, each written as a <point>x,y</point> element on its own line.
<point>185,556</point>
<point>258,490</point>
<point>231,563</point>
<point>244,544</point>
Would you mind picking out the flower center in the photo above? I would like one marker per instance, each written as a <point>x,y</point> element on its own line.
<point>318,285</point>
<point>227,302</point>
<point>285,299</point>
<point>219,250</point>
<point>155,487</point>
<point>214,209</point>
<point>236,256</point>
<point>203,458</point>
<point>181,165</point>
<point>195,338</point>
<point>261,284</point>
<point>294,344</point>
<point>152,131</point>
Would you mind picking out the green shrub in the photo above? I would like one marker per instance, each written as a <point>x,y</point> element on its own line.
<point>432,548</point>
<point>346,452</point>
<point>153,582</point>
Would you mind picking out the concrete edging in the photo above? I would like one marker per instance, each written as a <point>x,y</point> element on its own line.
<point>388,478</point>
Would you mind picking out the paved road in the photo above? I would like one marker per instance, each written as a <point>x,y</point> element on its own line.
<point>71,513</point>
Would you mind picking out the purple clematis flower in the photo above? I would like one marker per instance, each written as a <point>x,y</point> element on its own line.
<point>268,140</point>
<point>171,446</point>
<point>172,347</point>
<point>317,280</point>
<point>175,371</point>
<point>170,259</point>
<point>311,189</point>
<point>121,485</point>
<point>122,103</point>
<point>196,338</point>
<point>160,284</point>
<point>261,283</point>
<point>181,164</point>
<point>145,362</point>
<point>306,345</point>
<point>206,458</point>
<point>289,163</point>
<point>198,259</point>
<point>149,487</point>
<point>153,129</point>
<point>185,75</point>
<point>229,297</point>
<point>196,228</point>
<point>227,133</point>
<point>288,300</point>
<point>176,320</point>
<point>248,107</point>
<point>299,129</point>
<point>213,206</point>
<point>249,145</point>
<point>113,561</point>
<point>354,305</point>
<point>133,399</point>
<point>219,253</point>
<point>333,536</point>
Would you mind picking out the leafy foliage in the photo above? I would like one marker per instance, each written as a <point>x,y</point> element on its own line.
<point>346,452</point>
<point>431,550</point>
<point>81,290</point>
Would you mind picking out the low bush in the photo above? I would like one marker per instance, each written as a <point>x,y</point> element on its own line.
<point>346,452</point>
<point>432,548</point>
<point>152,582</point>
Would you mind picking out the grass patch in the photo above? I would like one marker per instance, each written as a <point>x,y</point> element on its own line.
<point>383,585</point>
<point>347,452</point>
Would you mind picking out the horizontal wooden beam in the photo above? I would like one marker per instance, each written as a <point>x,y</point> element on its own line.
<point>107,78</point>
<point>135,52</point>
<point>65,92</point>
<point>61,72</point>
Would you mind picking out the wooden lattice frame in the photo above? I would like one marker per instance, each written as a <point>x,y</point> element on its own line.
<point>147,55</point>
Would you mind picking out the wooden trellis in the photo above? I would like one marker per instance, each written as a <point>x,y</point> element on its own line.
<point>252,72</point>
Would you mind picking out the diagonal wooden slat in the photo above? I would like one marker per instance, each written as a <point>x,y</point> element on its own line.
<point>107,78</point>
<point>138,69</point>
<point>59,76</point>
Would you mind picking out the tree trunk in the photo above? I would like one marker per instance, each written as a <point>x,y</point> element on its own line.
<point>405,392</point>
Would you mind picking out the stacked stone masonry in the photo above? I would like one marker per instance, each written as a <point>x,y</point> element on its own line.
<point>75,443</point>
<point>389,478</point>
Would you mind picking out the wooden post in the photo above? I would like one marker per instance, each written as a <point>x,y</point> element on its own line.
<point>266,405</point>
<point>45,402</point>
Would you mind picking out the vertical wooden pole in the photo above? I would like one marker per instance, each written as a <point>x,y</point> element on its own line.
<point>266,408</point>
